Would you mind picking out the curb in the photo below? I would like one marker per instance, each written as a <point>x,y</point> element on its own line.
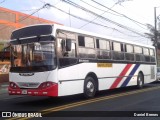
<point>4,85</point>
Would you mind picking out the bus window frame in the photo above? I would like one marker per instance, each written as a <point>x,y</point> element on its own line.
<point>84,48</point>
<point>100,50</point>
<point>131,55</point>
<point>63,60</point>
<point>118,55</point>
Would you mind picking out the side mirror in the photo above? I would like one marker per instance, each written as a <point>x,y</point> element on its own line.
<point>63,44</point>
<point>52,38</point>
<point>68,44</point>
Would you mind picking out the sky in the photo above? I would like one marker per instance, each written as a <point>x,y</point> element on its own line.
<point>141,11</point>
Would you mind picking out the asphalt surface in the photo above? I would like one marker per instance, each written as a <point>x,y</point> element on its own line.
<point>112,104</point>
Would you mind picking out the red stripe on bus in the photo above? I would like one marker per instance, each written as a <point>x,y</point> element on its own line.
<point>118,80</point>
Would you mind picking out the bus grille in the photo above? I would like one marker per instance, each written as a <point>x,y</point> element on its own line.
<point>28,85</point>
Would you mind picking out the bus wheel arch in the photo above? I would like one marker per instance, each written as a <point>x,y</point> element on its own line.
<point>90,85</point>
<point>140,80</point>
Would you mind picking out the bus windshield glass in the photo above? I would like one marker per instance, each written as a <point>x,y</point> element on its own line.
<point>33,54</point>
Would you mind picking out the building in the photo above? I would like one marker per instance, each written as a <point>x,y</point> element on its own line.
<point>11,20</point>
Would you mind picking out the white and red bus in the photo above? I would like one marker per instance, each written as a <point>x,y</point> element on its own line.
<point>54,60</point>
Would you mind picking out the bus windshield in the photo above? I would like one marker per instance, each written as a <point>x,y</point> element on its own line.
<point>33,54</point>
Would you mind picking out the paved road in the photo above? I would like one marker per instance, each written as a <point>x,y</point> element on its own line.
<point>143,101</point>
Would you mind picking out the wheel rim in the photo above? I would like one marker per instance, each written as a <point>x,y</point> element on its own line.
<point>140,81</point>
<point>90,87</point>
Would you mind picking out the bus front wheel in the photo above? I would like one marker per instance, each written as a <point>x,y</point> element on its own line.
<point>140,80</point>
<point>89,87</point>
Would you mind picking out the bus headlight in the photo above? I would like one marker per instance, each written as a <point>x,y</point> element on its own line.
<point>48,84</point>
<point>13,85</point>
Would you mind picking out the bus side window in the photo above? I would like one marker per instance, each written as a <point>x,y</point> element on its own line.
<point>117,53</point>
<point>152,55</point>
<point>86,47</point>
<point>66,57</point>
<point>81,41</point>
<point>103,49</point>
<point>129,55</point>
<point>138,53</point>
<point>146,55</point>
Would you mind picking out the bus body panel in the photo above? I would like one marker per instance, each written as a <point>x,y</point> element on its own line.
<point>69,82</point>
<point>32,83</point>
<point>29,77</point>
<point>70,87</point>
<point>107,76</point>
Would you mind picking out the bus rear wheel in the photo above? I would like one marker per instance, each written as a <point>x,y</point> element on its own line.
<point>140,81</point>
<point>89,87</point>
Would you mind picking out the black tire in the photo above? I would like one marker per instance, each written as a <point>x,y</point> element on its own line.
<point>140,81</point>
<point>89,87</point>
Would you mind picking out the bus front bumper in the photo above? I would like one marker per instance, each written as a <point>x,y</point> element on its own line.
<point>49,91</point>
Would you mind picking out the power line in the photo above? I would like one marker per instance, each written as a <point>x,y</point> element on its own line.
<point>104,18</point>
<point>77,17</point>
<point>2,1</point>
<point>91,20</point>
<point>95,17</point>
<point>27,10</point>
<point>42,1</point>
<point>101,9</point>
<point>44,6</point>
<point>119,13</point>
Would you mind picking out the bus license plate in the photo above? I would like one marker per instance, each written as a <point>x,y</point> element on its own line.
<point>24,92</point>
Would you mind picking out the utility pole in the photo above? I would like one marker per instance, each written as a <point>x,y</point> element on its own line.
<point>155,34</point>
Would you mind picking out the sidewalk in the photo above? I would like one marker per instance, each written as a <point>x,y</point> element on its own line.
<point>4,83</point>
<point>4,92</point>
<point>3,88</point>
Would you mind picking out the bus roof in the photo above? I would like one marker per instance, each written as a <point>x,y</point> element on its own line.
<point>99,35</point>
<point>74,30</point>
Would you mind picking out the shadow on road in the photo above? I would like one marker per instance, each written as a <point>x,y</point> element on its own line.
<point>47,102</point>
